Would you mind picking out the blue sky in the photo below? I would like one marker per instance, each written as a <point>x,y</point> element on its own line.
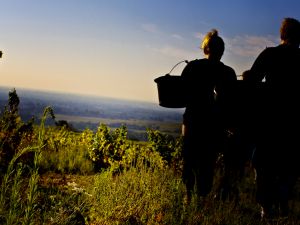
<point>116,48</point>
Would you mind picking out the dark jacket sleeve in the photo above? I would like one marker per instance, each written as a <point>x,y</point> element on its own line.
<point>260,67</point>
<point>185,74</point>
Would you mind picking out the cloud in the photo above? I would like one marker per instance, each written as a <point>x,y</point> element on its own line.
<point>177,36</point>
<point>245,45</point>
<point>176,52</point>
<point>249,46</point>
<point>171,51</point>
<point>199,35</point>
<point>150,27</point>
<point>153,28</point>
<point>237,46</point>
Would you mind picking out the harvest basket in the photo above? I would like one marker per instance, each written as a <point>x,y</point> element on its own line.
<point>171,91</point>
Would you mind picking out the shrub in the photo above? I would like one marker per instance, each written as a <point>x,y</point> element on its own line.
<point>14,133</point>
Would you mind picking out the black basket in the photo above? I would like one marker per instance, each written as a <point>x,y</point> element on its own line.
<point>171,91</point>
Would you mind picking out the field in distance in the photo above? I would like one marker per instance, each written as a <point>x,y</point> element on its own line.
<point>83,111</point>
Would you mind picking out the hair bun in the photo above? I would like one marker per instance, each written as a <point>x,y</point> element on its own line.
<point>213,43</point>
<point>213,33</point>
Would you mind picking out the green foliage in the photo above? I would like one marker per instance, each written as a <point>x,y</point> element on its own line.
<point>111,149</point>
<point>19,178</point>
<point>62,205</point>
<point>107,147</point>
<point>66,151</point>
<point>14,133</point>
<point>169,148</point>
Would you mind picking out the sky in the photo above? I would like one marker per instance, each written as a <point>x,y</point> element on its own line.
<point>116,48</point>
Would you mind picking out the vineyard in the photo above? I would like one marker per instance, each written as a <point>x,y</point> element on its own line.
<point>51,174</point>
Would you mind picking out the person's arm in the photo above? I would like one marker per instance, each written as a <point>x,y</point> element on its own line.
<point>259,68</point>
<point>227,99</point>
<point>186,74</point>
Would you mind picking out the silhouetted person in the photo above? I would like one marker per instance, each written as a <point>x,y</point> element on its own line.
<point>239,142</point>
<point>208,85</point>
<point>276,160</point>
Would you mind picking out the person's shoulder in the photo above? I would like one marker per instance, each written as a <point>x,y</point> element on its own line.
<point>192,67</point>
<point>279,51</point>
<point>227,68</point>
<point>196,61</point>
<point>229,72</point>
<point>271,50</point>
<point>288,49</point>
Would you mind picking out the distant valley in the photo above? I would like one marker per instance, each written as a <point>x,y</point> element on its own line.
<point>88,111</point>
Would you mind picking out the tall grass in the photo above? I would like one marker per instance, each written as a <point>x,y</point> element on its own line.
<point>11,203</point>
<point>147,195</point>
<point>19,185</point>
<point>139,195</point>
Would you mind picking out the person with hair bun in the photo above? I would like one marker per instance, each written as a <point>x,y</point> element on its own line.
<point>208,88</point>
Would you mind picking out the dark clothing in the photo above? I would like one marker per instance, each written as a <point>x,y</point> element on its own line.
<point>279,116</point>
<point>279,122</point>
<point>239,144</point>
<point>208,90</point>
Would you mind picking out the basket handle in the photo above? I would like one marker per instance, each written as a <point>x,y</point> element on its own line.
<point>186,61</point>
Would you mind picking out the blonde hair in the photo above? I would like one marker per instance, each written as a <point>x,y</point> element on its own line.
<point>213,43</point>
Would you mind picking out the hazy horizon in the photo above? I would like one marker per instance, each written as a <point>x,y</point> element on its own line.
<point>86,98</point>
<point>60,92</point>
